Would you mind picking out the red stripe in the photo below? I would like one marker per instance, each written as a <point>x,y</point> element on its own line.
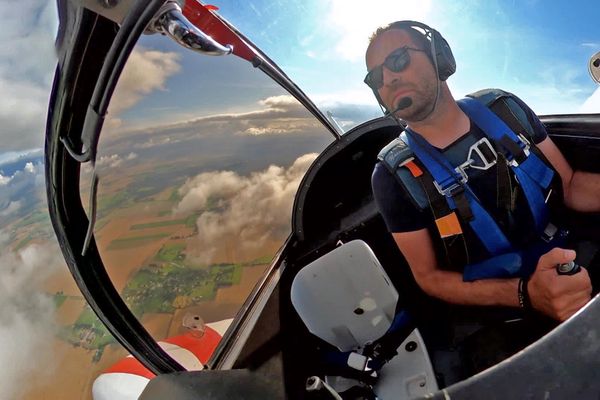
<point>130,365</point>
<point>201,347</point>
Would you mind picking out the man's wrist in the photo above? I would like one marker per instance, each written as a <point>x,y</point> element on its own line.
<point>523,294</point>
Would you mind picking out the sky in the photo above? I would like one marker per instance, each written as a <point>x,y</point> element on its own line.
<point>521,46</point>
<point>320,44</point>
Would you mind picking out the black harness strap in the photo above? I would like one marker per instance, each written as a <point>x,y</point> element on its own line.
<point>455,246</point>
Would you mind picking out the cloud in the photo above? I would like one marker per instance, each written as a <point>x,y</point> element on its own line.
<point>114,160</point>
<point>21,191</point>
<point>592,103</point>
<point>12,207</point>
<point>26,76</point>
<point>5,180</point>
<point>145,72</point>
<point>277,115</point>
<point>253,211</point>
<point>26,316</point>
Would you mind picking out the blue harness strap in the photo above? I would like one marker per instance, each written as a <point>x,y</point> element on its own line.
<point>532,173</point>
<point>376,354</point>
<point>448,180</point>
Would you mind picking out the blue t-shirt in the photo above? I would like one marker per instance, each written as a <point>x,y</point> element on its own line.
<point>402,215</point>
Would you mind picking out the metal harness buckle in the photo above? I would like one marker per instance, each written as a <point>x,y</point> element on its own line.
<point>449,191</point>
<point>476,148</point>
<point>526,144</point>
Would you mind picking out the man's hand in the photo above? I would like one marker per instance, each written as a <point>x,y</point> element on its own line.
<point>558,296</point>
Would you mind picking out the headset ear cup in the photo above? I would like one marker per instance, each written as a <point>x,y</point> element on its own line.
<point>445,59</point>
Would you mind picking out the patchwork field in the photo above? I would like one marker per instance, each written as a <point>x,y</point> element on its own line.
<point>153,259</point>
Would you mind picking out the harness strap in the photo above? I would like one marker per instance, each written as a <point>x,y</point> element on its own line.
<point>447,223</point>
<point>364,367</point>
<point>385,348</point>
<point>532,173</point>
<point>504,192</point>
<point>450,183</point>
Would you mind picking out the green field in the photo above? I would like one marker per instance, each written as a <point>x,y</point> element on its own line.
<point>59,298</point>
<point>121,199</point>
<point>159,224</point>
<point>154,289</point>
<point>190,221</point>
<point>134,241</point>
<point>171,253</point>
<point>226,274</point>
<point>24,242</point>
<point>35,217</point>
<point>87,332</point>
<point>175,196</point>
<point>261,261</point>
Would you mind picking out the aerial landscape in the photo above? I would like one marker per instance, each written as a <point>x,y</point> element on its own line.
<point>163,266</point>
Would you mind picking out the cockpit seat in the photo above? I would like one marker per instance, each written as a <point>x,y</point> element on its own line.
<point>346,299</point>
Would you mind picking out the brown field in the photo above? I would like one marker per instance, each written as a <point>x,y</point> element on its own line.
<point>62,280</point>
<point>157,324</point>
<point>75,371</point>
<point>239,293</point>
<point>72,377</point>
<point>226,303</point>
<point>122,264</point>
<point>70,310</point>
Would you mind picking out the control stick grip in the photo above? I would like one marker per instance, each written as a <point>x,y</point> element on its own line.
<point>569,268</point>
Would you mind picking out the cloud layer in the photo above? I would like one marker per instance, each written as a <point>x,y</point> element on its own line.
<point>21,192</point>
<point>26,316</point>
<point>145,72</point>
<point>27,63</point>
<point>250,211</point>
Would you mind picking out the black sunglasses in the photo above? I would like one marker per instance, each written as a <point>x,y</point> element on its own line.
<point>396,61</point>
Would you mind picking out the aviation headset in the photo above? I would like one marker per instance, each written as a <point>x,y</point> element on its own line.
<point>440,53</point>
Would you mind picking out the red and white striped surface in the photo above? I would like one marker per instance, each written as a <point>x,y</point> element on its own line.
<point>127,378</point>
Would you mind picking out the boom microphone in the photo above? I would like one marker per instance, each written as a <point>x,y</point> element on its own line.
<point>404,102</point>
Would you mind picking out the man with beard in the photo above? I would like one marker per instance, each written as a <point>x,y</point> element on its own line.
<point>408,64</point>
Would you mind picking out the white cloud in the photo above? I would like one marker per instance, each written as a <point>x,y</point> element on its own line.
<point>252,210</point>
<point>277,115</point>
<point>26,317</point>
<point>145,72</point>
<point>23,187</point>
<point>592,103</point>
<point>109,161</point>
<point>12,207</point>
<point>27,63</point>
<point>4,180</point>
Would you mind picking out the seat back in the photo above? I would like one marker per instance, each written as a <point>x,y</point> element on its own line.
<point>345,297</point>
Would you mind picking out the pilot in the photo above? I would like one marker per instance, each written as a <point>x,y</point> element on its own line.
<point>468,189</point>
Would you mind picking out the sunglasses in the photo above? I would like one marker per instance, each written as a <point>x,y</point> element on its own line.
<point>398,60</point>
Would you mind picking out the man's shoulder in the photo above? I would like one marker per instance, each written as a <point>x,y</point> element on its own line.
<point>395,152</point>
<point>490,95</point>
<point>514,111</point>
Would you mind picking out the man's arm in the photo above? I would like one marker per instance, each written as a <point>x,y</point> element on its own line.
<point>581,189</point>
<point>554,295</point>
<point>418,250</point>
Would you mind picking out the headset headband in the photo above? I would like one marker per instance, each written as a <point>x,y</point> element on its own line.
<point>441,54</point>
